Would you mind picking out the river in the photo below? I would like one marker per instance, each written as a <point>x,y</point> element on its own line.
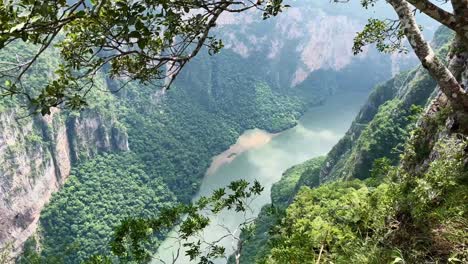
<point>261,156</point>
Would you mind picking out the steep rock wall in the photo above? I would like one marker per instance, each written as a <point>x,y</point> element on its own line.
<point>354,154</point>
<point>36,154</point>
<point>303,39</point>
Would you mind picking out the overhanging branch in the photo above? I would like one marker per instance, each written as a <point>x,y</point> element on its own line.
<point>435,12</point>
<point>445,79</point>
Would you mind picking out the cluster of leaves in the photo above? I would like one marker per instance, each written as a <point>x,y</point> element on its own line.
<point>80,219</point>
<point>396,216</point>
<point>130,236</point>
<point>334,221</point>
<point>135,40</point>
<point>385,34</point>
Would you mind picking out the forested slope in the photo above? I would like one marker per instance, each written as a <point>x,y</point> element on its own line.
<point>408,207</point>
<point>172,136</point>
<point>381,126</point>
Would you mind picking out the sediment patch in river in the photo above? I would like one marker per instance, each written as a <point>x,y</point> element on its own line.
<point>251,139</point>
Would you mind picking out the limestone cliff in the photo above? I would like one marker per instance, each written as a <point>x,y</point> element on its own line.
<point>305,38</point>
<point>37,154</point>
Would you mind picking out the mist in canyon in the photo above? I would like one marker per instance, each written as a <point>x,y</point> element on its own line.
<point>281,93</point>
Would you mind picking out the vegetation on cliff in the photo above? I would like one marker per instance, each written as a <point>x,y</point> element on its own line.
<point>405,208</point>
<point>99,194</point>
<point>408,207</point>
<point>398,215</point>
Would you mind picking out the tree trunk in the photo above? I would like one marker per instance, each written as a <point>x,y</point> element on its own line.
<point>447,82</point>
<point>457,60</point>
<point>460,10</point>
<point>458,57</point>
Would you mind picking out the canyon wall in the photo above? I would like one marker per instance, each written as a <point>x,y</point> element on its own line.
<point>37,154</point>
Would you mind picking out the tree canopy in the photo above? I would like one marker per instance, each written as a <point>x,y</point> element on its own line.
<point>151,41</point>
<point>147,41</point>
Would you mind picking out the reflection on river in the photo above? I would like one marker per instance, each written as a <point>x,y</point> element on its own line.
<point>261,156</point>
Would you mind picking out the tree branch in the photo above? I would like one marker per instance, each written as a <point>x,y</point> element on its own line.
<point>435,12</point>
<point>447,82</point>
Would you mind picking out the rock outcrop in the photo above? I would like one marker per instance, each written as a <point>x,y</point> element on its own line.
<point>305,38</point>
<point>36,154</point>
<point>353,155</point>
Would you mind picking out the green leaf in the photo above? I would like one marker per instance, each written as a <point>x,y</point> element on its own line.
<point>134,34</point>
<point>17,27</point>
<point>80,13</point>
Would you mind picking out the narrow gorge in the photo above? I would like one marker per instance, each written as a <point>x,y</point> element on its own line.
<point>42,154</point>
<point>221,132</point>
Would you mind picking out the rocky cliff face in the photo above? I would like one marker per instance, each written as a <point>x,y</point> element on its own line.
<point>36,156</point>
<point>303,39</point>
<point>354,154</point>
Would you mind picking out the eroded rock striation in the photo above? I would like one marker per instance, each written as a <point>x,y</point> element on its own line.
<point>37,154</point>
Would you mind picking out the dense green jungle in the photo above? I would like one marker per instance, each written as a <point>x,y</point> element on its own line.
<point>295,140</point>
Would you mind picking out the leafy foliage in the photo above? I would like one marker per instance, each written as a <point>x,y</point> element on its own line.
<point>335,217</point>
<point>395,216</point>
<point>129,236</point>
<point>387,36</point>
<point>99,195</point>
<point>136,40</point>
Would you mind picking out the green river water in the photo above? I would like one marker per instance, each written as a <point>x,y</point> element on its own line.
<point>264,158</point>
